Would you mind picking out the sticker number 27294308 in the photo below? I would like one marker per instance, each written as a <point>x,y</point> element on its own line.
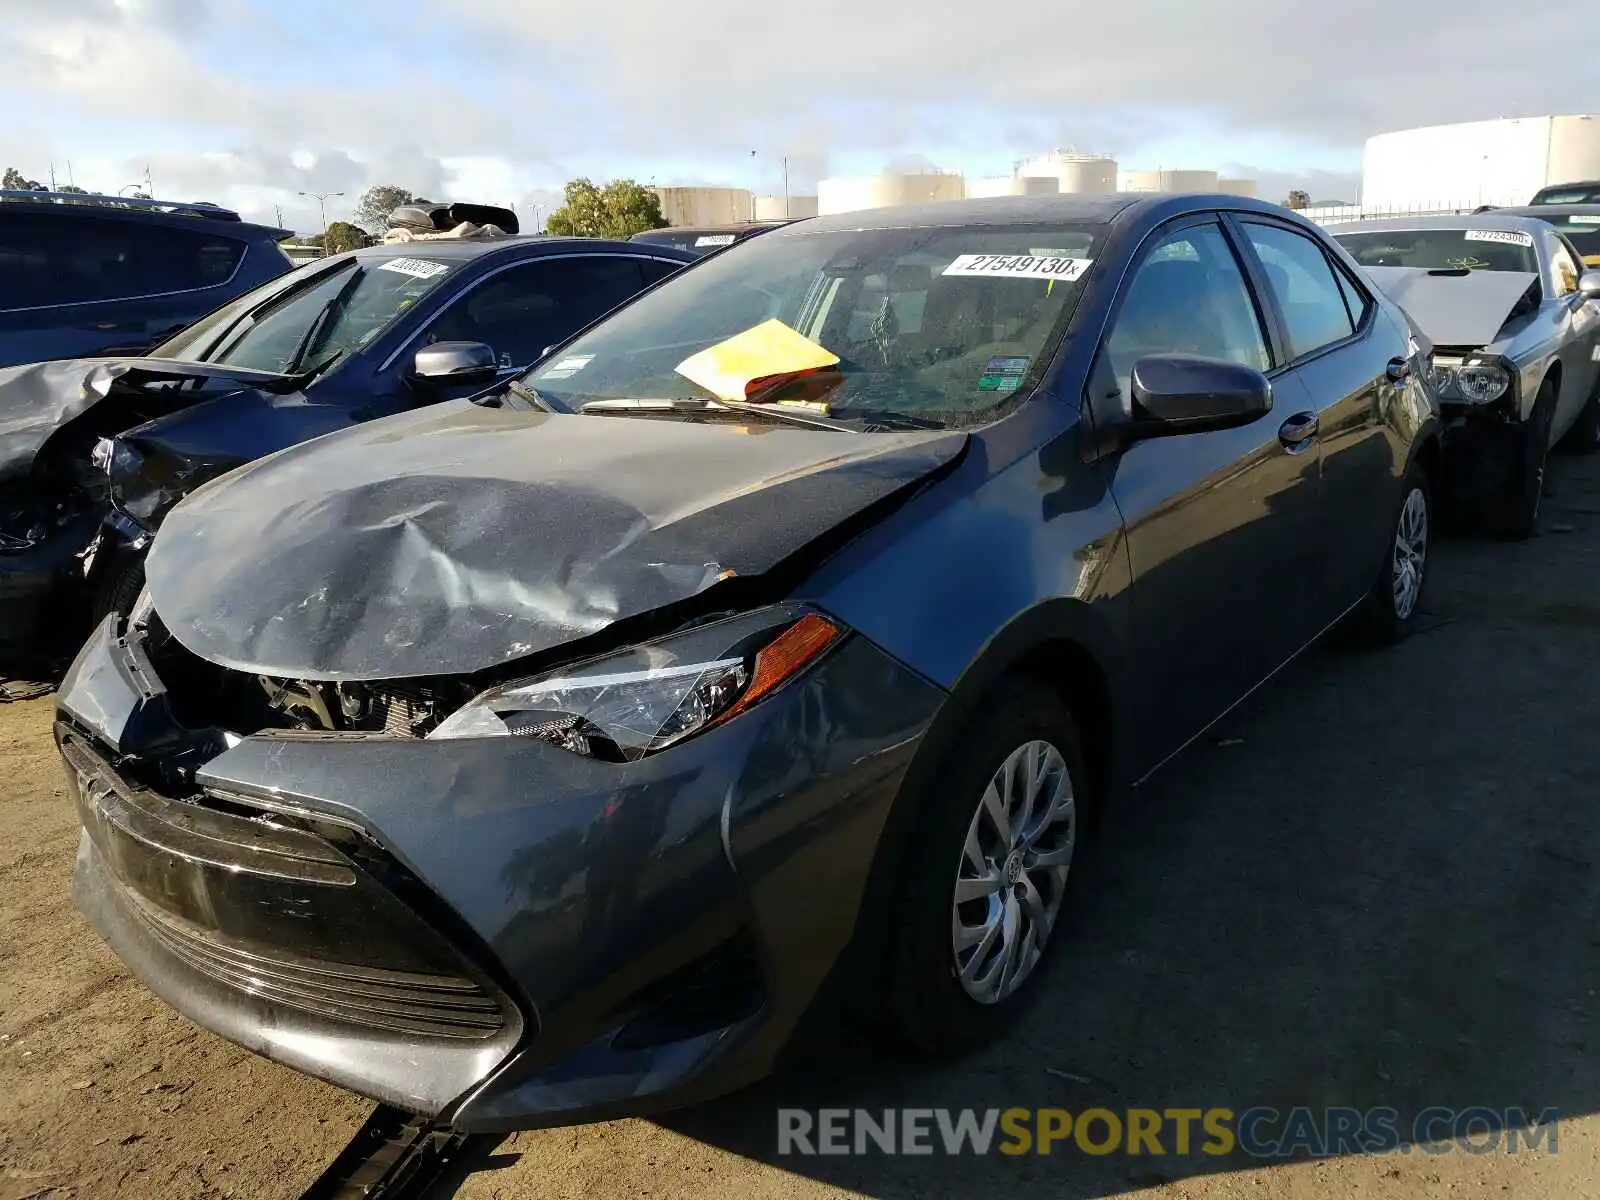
<point>1019,266</point>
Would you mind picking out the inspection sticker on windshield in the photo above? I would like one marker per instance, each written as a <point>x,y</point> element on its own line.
<point>417,268</point>
<point>567,367</point>
<point>1004,373</point>
<point>1020,266</point>
<point>715,239</point>
<point>1510,237</point>
<point>1583,219</point>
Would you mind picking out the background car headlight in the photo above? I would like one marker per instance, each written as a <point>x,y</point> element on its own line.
<point>1482,382</point>
<point>623,706</point>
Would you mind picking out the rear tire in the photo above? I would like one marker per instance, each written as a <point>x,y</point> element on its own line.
<point>963,972</point>
<point>1517,516</point>
<point>1389,612</point>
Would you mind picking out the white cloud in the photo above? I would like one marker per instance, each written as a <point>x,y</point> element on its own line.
<point>250,105</point>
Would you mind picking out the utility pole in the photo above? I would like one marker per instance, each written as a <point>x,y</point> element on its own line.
<point>785,187</point>
<point>277,211</point>
<point>52,175</point>
<point>753,190</point>
<point>322,207</point>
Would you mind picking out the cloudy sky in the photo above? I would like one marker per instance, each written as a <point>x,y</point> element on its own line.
<point>247,103</point>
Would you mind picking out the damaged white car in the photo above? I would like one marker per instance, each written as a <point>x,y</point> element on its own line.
<point>1515,322</point>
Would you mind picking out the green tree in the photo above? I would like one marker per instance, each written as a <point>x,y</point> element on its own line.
<point>377,204</point>
<point>620,209</point>
<point>15,180</point>
<point>1298,199</point>
<point>73,188</point>
<point>342,236</point>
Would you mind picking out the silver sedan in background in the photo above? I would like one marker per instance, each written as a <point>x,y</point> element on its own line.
<point>1515,322</point>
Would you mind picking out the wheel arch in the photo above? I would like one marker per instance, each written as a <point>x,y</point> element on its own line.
<point>1063,644</point>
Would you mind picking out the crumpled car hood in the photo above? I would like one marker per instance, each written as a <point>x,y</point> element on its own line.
<point>37,399</point>
<point>1454,310</point>
<point>459,538</point>
<point>179,452</point>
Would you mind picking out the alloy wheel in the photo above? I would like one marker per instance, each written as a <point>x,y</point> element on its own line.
<point>1013,873</point>
<point>1410,553</point>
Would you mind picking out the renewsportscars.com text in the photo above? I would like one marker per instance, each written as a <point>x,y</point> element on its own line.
<point>1258,1132</point>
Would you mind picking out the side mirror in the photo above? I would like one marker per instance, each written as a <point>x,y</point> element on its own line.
<point>1589,285</point>
<point>1182,393</point>
<point>455,363</point>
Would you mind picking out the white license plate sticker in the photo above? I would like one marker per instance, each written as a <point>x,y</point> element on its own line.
<point>417,268</point>
<point>1509,237</point>
<point>1019,266</point>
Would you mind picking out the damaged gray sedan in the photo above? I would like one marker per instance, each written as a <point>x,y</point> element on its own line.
<point>760,657</point>
<point>1515,322</point>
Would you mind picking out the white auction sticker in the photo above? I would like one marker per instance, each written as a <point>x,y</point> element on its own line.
<point>568,367</point>
<point>1020,266</point>
<point>417,268</point>
<point>715,239</point>
<point>1510,237</point>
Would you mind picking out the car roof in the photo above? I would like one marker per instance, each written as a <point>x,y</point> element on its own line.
<point>534,245</point>
<point>1060,208</point>
<point>1497,219</point>
<point>175,214</point>
<point>1546,211</point>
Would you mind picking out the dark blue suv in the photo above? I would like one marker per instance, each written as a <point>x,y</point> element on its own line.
<point>83,275</point>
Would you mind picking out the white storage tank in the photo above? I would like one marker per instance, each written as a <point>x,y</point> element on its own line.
<point>1073,171</point>
<point>1501,162</point>
<point>782,208</point>
<point>886,191</point>
<point>705,205</point>
<point>1170,181</point>
<point>1011,185</point>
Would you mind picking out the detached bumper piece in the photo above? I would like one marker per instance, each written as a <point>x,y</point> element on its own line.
<point>393,1155</point>
<point>285,937</point>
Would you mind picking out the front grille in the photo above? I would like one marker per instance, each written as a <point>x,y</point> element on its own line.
<point>399,1001</point>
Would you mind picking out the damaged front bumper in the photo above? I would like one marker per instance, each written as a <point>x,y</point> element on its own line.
<point>492,931</point>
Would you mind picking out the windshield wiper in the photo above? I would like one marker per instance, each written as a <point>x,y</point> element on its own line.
<point>694,404</point>
<point>526,394</point>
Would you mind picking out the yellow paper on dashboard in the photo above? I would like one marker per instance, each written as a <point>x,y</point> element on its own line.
<point>764,351</point>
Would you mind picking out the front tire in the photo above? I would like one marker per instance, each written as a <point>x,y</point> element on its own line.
<point>1389,613</point>
<point>989,873</point>
<point>119,590</point>
<point>1517,517</point>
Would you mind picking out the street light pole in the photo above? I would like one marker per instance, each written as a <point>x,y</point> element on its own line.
<point>322,208</point>
<point>753,190</point>
<point>785,187</point>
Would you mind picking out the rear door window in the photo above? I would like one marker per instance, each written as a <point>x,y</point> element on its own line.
<point>523,309</point>
<point>50,260</point>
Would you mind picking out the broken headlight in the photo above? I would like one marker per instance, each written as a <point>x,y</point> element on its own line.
<point>626,705</point>
<point>115,457</point>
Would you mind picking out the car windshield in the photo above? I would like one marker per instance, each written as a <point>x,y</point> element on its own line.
<point>944,326</point>
<point>309,318</point>
<point>1444,249</point>
<point>1588,194</point>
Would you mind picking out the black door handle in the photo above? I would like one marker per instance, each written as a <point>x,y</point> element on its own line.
<point>1397,370</point>
<point>1299,431</point>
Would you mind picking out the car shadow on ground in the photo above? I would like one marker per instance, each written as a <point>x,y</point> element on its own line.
<point>1372,886</point>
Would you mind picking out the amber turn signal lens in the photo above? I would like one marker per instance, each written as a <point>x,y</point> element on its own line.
<point>785,656</point>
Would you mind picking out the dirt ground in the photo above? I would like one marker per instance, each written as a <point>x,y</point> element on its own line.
<point>1375,885</point>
